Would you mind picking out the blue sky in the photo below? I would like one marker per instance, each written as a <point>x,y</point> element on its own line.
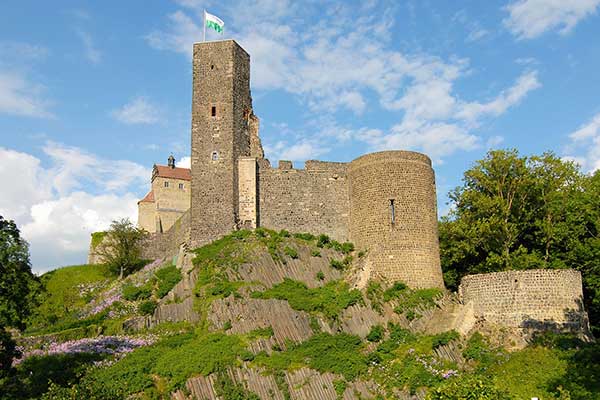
<point>92,94</point>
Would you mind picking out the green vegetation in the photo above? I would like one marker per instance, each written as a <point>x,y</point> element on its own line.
<point>320,276</point>
<point>376,333</point>
<point>411,300</point>
<point>329,300</point>
<point>375,295</point>
<point>167,278</point>
<point>315,253</point>
<point>395,291</point>
<point>290,252</point>
<point>264,333</point>
<point>518,212</point>
<point>134,293</point>
<point>341,265</point>
<point>147,307</point>
<point>66,291</point>
<point>17,287</point>
<point>97,238</point>
<point>340,354</point>
<point>123,247</point>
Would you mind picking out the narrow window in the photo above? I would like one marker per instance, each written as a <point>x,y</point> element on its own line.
<point>392,211</point>
<point>214,156</point>
<point>213,111</point>
<point>181,186</point>
<point>166,184</point>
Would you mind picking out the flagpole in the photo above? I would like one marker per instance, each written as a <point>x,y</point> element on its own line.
<point>204,23</point>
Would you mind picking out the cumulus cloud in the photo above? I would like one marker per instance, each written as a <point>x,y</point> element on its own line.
<point>529,19</point>
<point>184,162</point>
<point>346,63</point>
<point>302,150</point>
<point>138,111</point>
<point>58,205</point>
<point>586,142</point>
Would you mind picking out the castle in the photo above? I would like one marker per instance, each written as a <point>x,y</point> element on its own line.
<point>385,203</point>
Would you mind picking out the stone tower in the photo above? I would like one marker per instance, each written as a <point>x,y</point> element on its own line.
<point>393,213</point>
<point>221,104</point>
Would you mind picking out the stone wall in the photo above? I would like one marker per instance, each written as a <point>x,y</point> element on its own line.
<point>402,238</point>
<point>313,199</point>
<point>166,244</point>
<point>540,298</point>
<point>247,192</point>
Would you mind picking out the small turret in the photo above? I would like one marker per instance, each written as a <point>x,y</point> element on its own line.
<point>171,161</point>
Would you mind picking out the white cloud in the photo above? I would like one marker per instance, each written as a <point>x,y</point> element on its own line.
<point>299,151</point>
<point>19,96</point>
<point>437,140</point>
<point>344,64</point>
<point>531,18</point>
<point>90,50</point>
<point>184,162</point>
<point>526,83</point>
<point>59,205</point>
<point>138,111</point>
<point>586,141</point>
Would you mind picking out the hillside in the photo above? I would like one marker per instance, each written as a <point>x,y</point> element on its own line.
<point>274,315</point>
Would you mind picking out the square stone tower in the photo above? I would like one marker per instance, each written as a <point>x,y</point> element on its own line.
<point>221,103</point>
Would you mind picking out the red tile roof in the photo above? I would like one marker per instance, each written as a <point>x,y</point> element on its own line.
<point>174,173</point>
<point>149,198</point>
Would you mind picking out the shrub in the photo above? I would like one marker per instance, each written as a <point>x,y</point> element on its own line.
<point>414,299</point>
<point>362,253</point>
<point>341,264</point>
<point>376,333</point>
<point>339,354</point>
<point>347,247</point>
<point>167,278</point>
<point>322,240</point>
<point>227,325</point>
<point>147,307</point>
<point>320,276</point>
<point>133,293</point>
<point>291,252</point>
<point>468,387</point>
<point>261,333</point>
<point>284,233</point>
<point>305,236</point>
<point>374,294</point>
<point>329,299</point>
<point>395,291</point>
<point>315,253</point>
<point>444,338</point>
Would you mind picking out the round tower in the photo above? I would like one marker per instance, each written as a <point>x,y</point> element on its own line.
<point>393,214</point>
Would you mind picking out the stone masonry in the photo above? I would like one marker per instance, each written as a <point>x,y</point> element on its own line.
<point>383,202</point>
<point>538,299</point>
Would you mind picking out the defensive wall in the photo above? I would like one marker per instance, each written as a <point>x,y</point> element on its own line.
<point>393,214</point>
<point>541,298</point>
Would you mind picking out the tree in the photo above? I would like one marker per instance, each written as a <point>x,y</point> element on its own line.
<point>515,212</point>
<point>122,247</point>
<point>16,282</point>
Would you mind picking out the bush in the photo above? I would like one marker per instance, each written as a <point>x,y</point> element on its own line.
<point>444,338</point>
<point>323,240</point>
<point>147,307</point>
<point>395,291</point>
<point>320,276</point>
<point>376,333</point>
<point>167,278</point>
<point>305,236</point>
<point>284,233</point>
<point>339,354</point>
<point>341,265</point>
<point>291,252</point>
<point>133,293</point>
<point>329,299</point>
<point>469,387</point>
<point>227,325</point>
<point>315,253</point>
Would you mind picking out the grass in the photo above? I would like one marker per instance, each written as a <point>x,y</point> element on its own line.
<point>339,354</point>
<point>97,238</point>
<point>66,291</point>
<point>167,278</point>
<point>329,300</point>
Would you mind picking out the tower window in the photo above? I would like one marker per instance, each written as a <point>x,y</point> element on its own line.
<point>212,67</point>
<point>181,186</point>
<point>166,184</point>
<point>392,211</point>
<point>213,111</point>
<point>214,156</point>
